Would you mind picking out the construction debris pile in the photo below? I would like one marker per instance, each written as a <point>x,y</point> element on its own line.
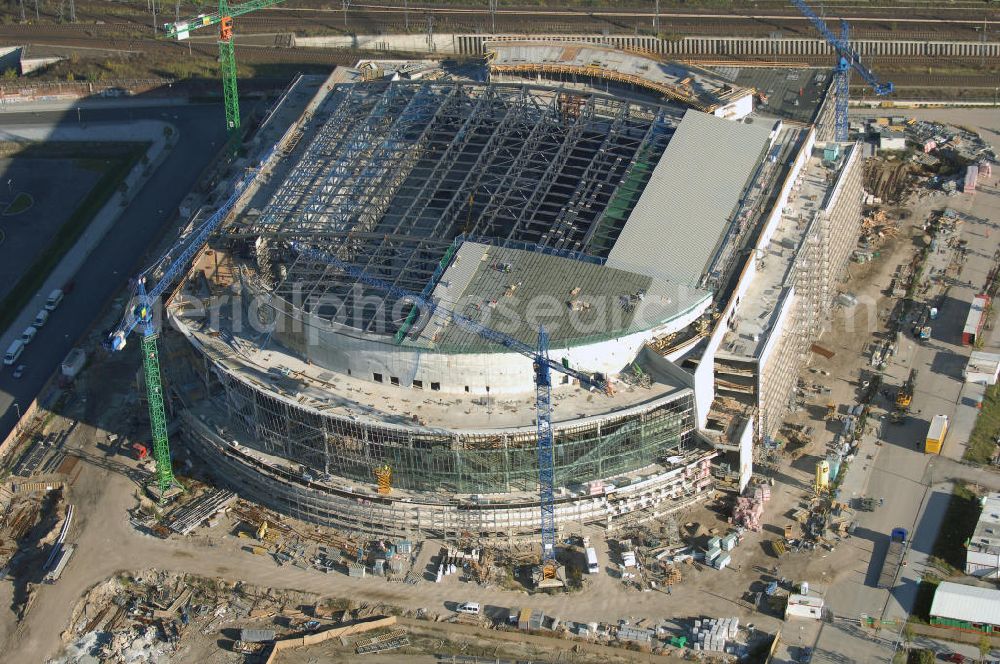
<point>951,159</point>
<point>667,637</point>
<point>887,180</point>
<point>876,229</point>
<point>155,616</point>
<point>821,522</point>
<point>34,524</point>
<point>750,506</point>
<point>285,540</point>
<point>19,515</point>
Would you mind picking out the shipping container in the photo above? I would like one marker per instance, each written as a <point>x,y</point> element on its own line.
<point>982,368</point>
<point>976,319</point>
<point>73,363</point>
<point>57,569</point>
<point>936,434</point>
<point>256,635</point>
<point>802,606</point>
<point>971,177</point>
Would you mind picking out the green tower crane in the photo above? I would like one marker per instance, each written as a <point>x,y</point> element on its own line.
<point>227,58</point>
<point>141,315</point>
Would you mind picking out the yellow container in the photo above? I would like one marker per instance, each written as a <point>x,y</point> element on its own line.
<point>822,474</point>
<point>935,435</point>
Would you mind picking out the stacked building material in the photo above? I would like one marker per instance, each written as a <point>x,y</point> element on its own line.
<point>713,633</point>
<point>185,519</point>
<point>636,634</point>
<point>971,176</point>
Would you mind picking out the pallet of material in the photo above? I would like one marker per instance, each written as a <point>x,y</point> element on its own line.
<point>188,517</point>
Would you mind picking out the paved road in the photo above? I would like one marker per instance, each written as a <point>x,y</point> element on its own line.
<point>200,133</point>
<point>916,486</point>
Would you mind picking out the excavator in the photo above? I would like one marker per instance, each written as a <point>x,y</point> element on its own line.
<point>904,397</point>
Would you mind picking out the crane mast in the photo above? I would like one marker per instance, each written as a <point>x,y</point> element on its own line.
<point>140,314</point>
<point>848,59</point>
<point>546,464</point>
<point>227,56</point>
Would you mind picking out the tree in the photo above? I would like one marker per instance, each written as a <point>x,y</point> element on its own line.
<point>985,645</point>
<point>907,635</point>
<point>924,656</point>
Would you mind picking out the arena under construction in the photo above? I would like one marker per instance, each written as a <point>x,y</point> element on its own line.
<point>681,246</point>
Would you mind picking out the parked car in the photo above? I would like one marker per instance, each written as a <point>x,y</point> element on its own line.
<point>472,608</point>
<point>55,299</point>
<point>956,657</point>
<point>19,371</point>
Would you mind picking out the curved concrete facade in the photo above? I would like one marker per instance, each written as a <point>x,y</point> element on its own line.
<point>348,443</point>
<point>365,356</point>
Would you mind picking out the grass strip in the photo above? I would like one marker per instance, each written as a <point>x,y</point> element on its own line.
<point>982,441</point>
<point>959,523</point>
<point>67,236</point>
<point>21,203</point>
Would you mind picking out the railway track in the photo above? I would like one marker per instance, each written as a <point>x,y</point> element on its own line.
<point>129,36</point>
<point>370,21</point>
<point>257,54</point>
<point>383,19</point>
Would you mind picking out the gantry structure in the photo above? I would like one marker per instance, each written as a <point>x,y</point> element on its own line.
<point>398,174</point>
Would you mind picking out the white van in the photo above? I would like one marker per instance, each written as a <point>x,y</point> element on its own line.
<point>13,352</point>
<point>40,318</point>
<point>472,608</point>
<point>29,334</point>
<point>592,565</point>
<point>55,297</point>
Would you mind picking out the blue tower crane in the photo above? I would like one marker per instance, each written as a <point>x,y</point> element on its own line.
<point>543,367</point>
<point>847,59</point>
<point>140,314</point>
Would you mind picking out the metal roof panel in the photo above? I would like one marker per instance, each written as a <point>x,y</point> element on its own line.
<point>685,209</point>
<point>969,603</point>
